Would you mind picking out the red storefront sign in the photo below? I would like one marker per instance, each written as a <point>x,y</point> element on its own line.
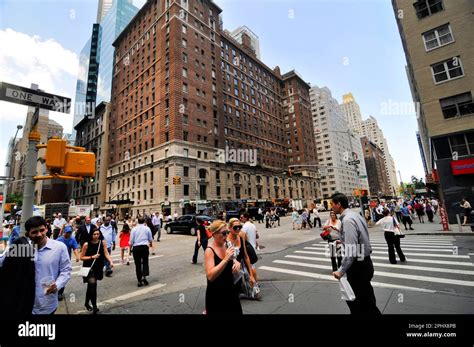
<point>444,217</point>
<point>463,167</point>
<point>1,198</point>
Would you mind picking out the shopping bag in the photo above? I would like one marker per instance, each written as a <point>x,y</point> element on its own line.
<point>84,271</point>
<point>346,289</point>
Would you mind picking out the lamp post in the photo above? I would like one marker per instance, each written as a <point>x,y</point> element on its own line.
<point>8,172</point>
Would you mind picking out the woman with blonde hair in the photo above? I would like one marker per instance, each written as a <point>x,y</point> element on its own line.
<point>221,265</point>
<point>237,240</point>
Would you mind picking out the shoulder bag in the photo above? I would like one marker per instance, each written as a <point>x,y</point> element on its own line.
<point>84,271</point>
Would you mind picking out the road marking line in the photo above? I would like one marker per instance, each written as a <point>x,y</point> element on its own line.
<point>326,277</point>
<point>411,249</point>
<point>119,264</point>
<point>408,267</point>
<point>127,296</point>
<point>409,246</point>
<point>377,264</point>
<point>427,261</point>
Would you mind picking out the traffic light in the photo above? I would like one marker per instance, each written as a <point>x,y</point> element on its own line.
<point>176,180</point>
<point>80,164</point>
<point>55,154</point>
<point>356,192</point>
<point>67,162</point>
<point>364,192</point>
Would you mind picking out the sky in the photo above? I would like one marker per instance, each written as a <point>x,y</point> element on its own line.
<point>345,45</point>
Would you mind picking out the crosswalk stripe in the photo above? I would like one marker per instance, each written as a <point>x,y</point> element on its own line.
<point>390,274</point>
<point>114,258</point>
<point>407,240</point>
<point>119,264</point>
<point>427,261</point>
<point>412,249</point>
<point>416,240</point>
<point>409,267</point>
<point>404,244</point>
<point>327,277</point>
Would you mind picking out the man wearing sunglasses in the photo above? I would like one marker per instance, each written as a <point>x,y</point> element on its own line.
<point>52,267</point>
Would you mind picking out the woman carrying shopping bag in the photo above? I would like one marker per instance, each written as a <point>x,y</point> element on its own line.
<point>391,230</point>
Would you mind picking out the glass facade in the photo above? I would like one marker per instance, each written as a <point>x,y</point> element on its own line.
<point>114,22</point>
<point>93,83</point>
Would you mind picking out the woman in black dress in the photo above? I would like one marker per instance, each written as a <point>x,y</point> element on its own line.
<point>93,254</point>
<point>221,296</point>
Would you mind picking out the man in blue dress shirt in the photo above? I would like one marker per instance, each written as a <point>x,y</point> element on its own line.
<point>52,266</point>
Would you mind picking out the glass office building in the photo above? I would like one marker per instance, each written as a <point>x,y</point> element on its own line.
<point>96,61</point>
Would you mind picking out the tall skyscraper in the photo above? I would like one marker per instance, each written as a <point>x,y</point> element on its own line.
<point>333,145</point>
<point>197,120</point>
<point>370,129</point>
<point>103,8</point>
<point>96,60</point>
<point>437,39</point>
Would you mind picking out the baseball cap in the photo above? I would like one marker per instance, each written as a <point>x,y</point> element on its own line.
<point>67,229</point>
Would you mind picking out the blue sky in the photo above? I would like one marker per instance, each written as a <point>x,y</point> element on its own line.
<point>346,45</point>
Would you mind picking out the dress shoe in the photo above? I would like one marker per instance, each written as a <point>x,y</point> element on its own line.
<point>139,284</point>
<point>88,307</point>
<point>145,282</point>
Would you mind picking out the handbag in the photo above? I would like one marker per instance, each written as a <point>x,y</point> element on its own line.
<point>325,235</point>
<point>398,233</point>
<point>84,270</point>
<point>251,252</point>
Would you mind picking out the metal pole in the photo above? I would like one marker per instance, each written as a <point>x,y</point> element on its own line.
<point>34,138</point>
<point>355,170</point>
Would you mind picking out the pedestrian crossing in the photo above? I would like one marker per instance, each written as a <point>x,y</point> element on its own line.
<point>116,257</point>
<point>433,264</point>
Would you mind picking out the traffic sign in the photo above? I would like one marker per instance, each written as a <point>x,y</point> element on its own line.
<point>30,97</point>
<point>354,162</point>
<point>363,176</point>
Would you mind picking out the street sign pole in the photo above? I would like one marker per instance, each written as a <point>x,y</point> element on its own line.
<point>34,138</point>
<point>354,163</point>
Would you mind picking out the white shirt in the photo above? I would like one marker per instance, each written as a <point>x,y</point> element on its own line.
<point>387,223</point>
<point>434,202</point>
<point>466,205</point>
<point>58,223</point>
<point>316,212</point>
<point>251,230</point>
<point>337,224</point>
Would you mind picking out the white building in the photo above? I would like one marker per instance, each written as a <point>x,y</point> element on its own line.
<point>334,147</point>
<point>371,129</point>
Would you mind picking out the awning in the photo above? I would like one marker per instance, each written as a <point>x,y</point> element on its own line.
<point>120,202</point>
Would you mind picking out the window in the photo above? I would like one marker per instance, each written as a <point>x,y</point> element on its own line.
<point>185,29</point>
<point>185,57</point>
<point>447,70</point>
<point>185,72</point>
<point>167,193</point>
<point>186,190</point>
<point>166,172</point>
<point>425,8</point>
<point>186,171</point>
<point>438,37</point>
<point>185,88</point>
<point>185,135</point>
<point>186,152</point>
<point>457,105</point>
<point>218,191</point>
<point>184,43</point>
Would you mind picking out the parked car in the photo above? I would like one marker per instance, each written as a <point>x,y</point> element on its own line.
<point>186,223</point>
<point>232,214</point>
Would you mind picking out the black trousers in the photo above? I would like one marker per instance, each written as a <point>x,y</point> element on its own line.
<point>393,242</point>
<point>140,256</point>
<point>196,249</point>
<point>317,219</point>
<point>335,254</point>
<point>359,275</point>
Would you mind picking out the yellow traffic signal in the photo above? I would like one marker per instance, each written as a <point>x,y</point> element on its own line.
<point>176,180</point>
<point>356,192</point>
<point>55,154</point>
<point>80,164</point>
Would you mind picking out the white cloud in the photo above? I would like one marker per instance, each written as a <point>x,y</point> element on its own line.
<point>26,59</point>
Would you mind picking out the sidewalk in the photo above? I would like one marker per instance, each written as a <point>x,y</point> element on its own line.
<point>310,297</point>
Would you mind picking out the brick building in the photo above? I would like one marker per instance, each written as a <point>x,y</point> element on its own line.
<point>375,166</point>
<point>191,102</point>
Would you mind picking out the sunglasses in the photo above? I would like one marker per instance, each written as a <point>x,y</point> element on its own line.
<point>237,227</point>
<point>224,233</point>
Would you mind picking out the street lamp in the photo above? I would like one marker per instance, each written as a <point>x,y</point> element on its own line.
<point>8,172</point>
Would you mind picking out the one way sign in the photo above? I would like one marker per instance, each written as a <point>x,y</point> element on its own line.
<point>30,97</point>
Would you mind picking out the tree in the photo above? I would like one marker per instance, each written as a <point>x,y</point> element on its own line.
<point>417,183</point>
<point>15,199</point>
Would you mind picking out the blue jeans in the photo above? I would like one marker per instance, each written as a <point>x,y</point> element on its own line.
<point>108,269</point>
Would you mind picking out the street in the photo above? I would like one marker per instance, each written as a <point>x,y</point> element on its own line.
<point>295,276</point>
